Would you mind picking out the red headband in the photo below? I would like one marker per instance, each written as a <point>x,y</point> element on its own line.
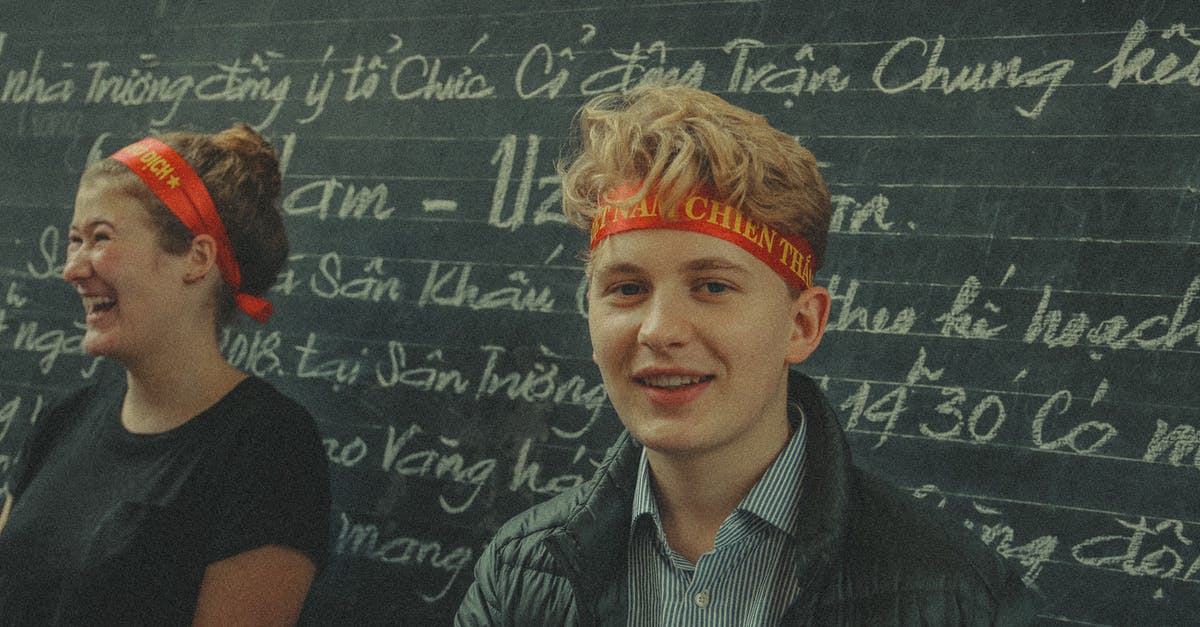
<point>789,256</point>
<point>181,190</point>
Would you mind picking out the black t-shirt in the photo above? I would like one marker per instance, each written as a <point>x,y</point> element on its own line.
<point>110,527</point>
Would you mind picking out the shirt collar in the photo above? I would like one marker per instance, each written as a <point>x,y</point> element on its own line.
<point>644,505</point>
<point>775,498</point>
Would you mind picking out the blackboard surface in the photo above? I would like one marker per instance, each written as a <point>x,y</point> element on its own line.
<point>1015,260</point>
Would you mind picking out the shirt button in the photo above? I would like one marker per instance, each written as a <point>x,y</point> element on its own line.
<point>701,599</point>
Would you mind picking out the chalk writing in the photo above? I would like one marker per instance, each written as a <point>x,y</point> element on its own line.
<point>775,80</point>
<point>630,70</point>
<point>256,353</point>
<point>983,422</point>
<point>1174,443</point>
<point>340,371</point>
<point>1148,550</point>
<point>9,411</point>
<point>427,378</point>
<point>1087,437</point>
<point>1001,536</point>
<point>871,214</point>
<point>375,286</point>
<point>527,475</point>
<point>442,462</point>
<point>541,382</point>
<point>419,76</point>
<point>365,541</point>
<point>357,201</point>
<point>959,322</point>
<point>1047,326</point>
<point>135,87</point>
<point>50,263</point>
<point>27,86</point>
<point>980,76</point>
<point>13,296</point>
<point>504,159</point>
<point>887,408</point>
<point>1166,71</point>
<point>319,86</point>
<point>450,285</point>
<point>533,86</point>
<point>846,316</point>
<point>237,83</point>
<point>31,337</point>
<point>347,454</point>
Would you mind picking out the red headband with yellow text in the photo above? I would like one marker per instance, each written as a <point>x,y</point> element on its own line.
<point>789,256</point>
<point>181,190</point>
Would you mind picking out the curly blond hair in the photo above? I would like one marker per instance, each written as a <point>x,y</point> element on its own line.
<point>680,139</point>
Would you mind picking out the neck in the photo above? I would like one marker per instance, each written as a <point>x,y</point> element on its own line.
<point>165,392</point>
<point>697,493</point>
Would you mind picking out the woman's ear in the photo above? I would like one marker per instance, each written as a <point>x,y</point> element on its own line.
<point>201,258</point>
<point>810,312</point>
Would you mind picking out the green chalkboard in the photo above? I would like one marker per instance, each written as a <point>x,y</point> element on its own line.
<point>1015,259</point>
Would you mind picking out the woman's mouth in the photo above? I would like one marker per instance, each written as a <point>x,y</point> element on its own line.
<point>98,304</point>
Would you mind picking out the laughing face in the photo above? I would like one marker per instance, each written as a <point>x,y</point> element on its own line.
<point>129,285</point>
<point>693,337</point>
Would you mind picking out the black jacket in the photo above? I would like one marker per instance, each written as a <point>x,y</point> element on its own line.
<point>867,554</point>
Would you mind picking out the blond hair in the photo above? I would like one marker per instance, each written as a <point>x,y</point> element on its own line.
<point>671,139</point>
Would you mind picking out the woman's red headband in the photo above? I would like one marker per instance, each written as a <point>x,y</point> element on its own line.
<point>789,256</point>
<point>181,190</point>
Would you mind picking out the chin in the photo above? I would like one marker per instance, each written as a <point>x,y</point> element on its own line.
<point>664,439</point>
<point>96,347</point>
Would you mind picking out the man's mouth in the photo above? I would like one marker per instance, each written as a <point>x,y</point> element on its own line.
<point>98,304</point>
<point>673,381</point>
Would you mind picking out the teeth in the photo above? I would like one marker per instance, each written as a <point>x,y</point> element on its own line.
<point>91,302</point>
<point>672,381</point>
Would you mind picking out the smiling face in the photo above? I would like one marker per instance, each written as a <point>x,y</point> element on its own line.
<point>131,288</point>
<point>693,337</point>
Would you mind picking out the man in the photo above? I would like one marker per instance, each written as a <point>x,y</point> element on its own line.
<point>730,499</point>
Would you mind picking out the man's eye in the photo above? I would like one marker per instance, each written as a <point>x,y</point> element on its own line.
<point>713,287</point>
<point>628,289</point>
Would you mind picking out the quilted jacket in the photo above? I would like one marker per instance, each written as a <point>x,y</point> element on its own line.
<point>867,554</point>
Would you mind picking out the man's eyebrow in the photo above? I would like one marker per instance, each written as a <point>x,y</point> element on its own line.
<point>713,263</point>
<point>622,267</point>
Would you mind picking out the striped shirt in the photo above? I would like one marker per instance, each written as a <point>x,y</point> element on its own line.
<point>748,578</point>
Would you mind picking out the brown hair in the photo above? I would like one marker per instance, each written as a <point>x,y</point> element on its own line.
<point>241,172</point>
<point>678,139</point>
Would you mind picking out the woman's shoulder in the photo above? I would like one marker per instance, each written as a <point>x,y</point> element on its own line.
<point>68,419</point>
<point>74,404</point>
<point>259,414</point>
<point>258,391</point>
<point>262,401</point>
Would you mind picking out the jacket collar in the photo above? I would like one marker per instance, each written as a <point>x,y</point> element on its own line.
<point>591,544</point>
<point>823,508</point>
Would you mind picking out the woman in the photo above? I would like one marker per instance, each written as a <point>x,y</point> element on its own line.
<point>185,491</point>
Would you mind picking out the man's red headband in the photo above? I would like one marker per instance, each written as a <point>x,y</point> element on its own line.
<point>181,190</point>
<point>789,256</point>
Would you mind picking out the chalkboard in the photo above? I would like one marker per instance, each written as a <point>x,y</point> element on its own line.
<point>1015,260</point>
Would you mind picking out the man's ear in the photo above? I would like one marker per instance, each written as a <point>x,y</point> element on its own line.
<point>810,312</point>
<point>201,258</point>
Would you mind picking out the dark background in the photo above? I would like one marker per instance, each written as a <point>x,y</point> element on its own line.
<point>1016,258</point>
